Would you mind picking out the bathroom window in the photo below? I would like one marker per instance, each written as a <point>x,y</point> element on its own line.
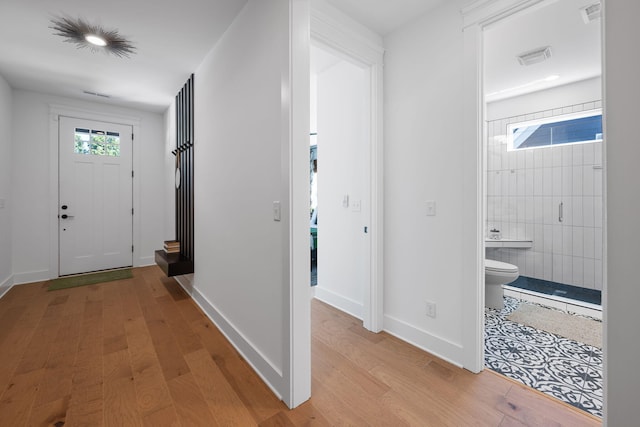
<point>573,128</point>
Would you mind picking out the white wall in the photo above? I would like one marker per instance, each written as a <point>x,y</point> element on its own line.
<point>242,165</point>
<point>343,125</point>
<point>575,93</point>
<point>425,257</point>
<point>31,187</point>
<point>6,271</point>
<point>621,314</point>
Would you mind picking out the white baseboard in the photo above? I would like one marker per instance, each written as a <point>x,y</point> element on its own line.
<point>186,281</point>
<point>340,302</point>
<point>6,285</point>
<point>30,277</point>
<point>439,347</point>
<point>270,374</point>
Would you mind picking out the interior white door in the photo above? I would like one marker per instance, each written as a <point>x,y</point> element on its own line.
<point>95,208</point>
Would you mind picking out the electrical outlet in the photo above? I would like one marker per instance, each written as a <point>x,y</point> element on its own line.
<point>431,309</point>
<point>430,206</point>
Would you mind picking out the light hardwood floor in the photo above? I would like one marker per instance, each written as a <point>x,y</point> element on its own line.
<point>139,352</point>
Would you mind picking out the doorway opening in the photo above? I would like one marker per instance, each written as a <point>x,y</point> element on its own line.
<point>544,199</point>
<point>339,146</point>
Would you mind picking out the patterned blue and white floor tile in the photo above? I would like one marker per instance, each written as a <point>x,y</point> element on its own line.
<point>560,367</point>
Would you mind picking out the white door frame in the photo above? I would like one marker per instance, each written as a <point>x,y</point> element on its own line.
<point>476,17</point>
<point>328,34</point>
<point>55,111</point>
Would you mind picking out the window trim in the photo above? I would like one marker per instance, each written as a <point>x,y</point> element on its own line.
<point>547,120</point>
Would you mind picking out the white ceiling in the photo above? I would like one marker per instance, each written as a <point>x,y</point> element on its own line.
<point>172,37</point>
<point>384,16</point>
<point>575,47</point>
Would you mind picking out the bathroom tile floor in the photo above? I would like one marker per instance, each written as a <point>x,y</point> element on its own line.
<point>557,366</point>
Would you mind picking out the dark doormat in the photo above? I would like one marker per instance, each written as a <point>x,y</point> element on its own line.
<point>89,279</point>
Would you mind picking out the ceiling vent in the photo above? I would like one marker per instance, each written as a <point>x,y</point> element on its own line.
<point>535,56</point>
<point>101,95</point>
<point>591,13</point>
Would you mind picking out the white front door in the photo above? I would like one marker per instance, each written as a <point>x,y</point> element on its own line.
<point>95,195</point>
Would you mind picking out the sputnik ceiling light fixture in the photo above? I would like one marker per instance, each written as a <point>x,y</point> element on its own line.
<point>93,37</point>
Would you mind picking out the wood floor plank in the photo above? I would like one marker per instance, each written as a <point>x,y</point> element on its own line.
<point>154,279</point>
<point>37,352</point>
<point>533,409</point>
<point>9,319</point>
<point>190,404</point>
<point>166,416</point>
<point>190,310</point>
<point>174,289</point>
<point>88,361</point>
<point>334,410</point>
<point>169,355</point>
<point>412,414</point>
<point>511,422</point>
<point>184,336</point>
<point>350,345</point>
<point>336,362</point>
<point>18,397</point>
<point>115,336</point>
<point>306,414</point>
<point>256,396</point>
<point>278,420</point>
<point>52,414</point>
<point>86,406</point>
<point>57,378</point>
<point>19,337</point>
<point>444,400</point>
<point>152,393</point>
<point>353,391</point>
<point>120,407</point>
<point>227,407</point>
<point>130,306</point>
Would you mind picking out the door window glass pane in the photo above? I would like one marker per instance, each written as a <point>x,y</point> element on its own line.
<point>97,142</point>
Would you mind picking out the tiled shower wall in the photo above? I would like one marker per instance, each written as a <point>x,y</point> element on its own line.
<point>524,191</point>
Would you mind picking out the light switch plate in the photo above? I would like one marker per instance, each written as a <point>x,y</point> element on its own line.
<point>276,211</point>
<point>430,207</point>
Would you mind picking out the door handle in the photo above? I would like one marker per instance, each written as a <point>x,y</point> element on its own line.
<point>561,212</point>
<point>65,216</point>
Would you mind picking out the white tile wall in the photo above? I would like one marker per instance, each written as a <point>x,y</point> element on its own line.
<point>524,190</point>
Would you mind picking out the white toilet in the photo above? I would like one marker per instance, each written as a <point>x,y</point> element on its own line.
<point>496,274</point>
